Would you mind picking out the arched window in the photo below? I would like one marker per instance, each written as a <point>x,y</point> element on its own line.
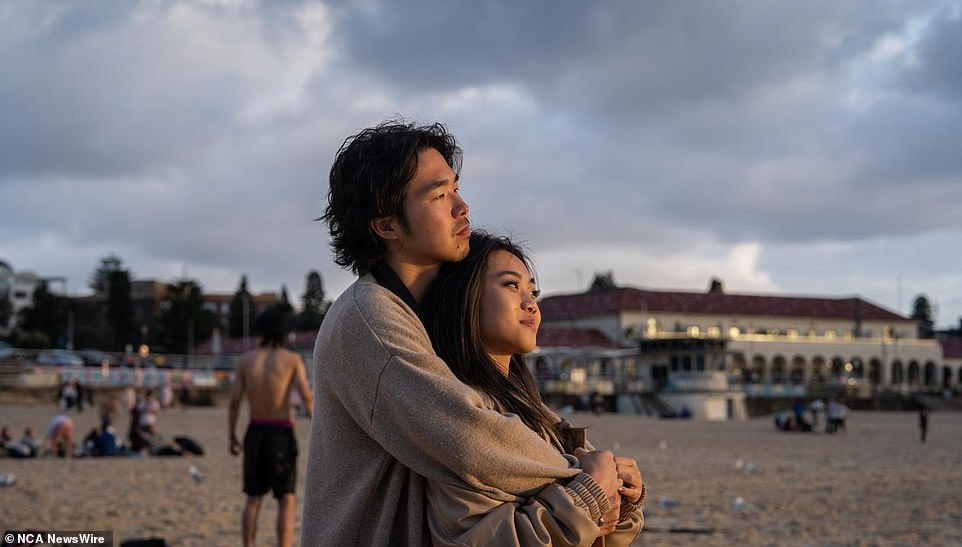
<point>858,368</point>
<point>778,369</point>
<point>756,373</point>
<point>797,375</point>
<point>875,371</point>
<point>897,373</point>
<point>929,374</point>
<point>651,326</point>
<point>819,369</point>
<point>914,376</point>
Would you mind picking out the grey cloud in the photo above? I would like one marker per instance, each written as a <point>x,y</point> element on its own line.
<point>619,60</point>
<point>642,128</point>
<point>937,69</point>
<point>117,90</point>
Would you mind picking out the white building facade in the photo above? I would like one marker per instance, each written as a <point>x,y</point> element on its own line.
<point>719,345</point>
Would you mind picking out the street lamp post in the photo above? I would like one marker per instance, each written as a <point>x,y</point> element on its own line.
<point>246,318</point>
<point>190,339</point>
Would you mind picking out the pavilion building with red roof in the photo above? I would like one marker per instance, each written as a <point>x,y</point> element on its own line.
<point>723,346</point>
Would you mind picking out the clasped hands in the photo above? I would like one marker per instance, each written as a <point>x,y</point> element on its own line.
<point>619,477</point>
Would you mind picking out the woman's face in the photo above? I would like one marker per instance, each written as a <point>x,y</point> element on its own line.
<point>509,311</point>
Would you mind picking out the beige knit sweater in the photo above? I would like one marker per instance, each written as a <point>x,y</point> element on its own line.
<point>387,413</point>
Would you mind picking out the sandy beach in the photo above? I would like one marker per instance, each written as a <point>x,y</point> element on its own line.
<point>874,485</point>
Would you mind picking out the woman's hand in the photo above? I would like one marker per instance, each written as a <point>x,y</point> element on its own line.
<point>630,475</point>
<point>600,464</point>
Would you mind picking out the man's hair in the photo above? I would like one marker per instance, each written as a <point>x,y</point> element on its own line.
<point>454,324</point>
<point>272,325</point>
<point>368,180</point>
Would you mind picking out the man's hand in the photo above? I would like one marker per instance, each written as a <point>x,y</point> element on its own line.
<point>235,446</point>
<point>600,464</point>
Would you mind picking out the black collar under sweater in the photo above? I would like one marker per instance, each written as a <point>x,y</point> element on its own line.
<point>386,278</point>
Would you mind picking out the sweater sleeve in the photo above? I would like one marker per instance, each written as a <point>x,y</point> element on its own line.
<point>384,370</point>
<point>626,530</point>
<point>556,515</point>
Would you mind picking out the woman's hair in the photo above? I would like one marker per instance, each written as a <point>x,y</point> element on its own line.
<point>454,310</point>
<point>368,180</point>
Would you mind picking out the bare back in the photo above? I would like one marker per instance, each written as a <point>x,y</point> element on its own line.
<point>265,377</point>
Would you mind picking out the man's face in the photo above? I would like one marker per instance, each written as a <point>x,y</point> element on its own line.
<point>437,227</point>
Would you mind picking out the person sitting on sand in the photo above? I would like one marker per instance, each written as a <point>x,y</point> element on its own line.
<point>5,437</point>
<point>102,442</point>
<point>26,447</point>
<point>30,441</point>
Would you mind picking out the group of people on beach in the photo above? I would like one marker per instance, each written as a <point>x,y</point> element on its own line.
<point>57,440</point>
<point>143,437</point>
<point>836,412</point>
<point>26,447</point>
<point>427,426</point>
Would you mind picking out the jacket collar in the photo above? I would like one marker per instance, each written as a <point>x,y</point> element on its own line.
<point>386,278</point>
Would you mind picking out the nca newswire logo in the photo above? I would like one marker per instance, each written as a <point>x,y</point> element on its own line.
<point>17,538</point>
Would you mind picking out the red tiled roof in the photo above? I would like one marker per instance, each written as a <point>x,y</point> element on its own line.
<point>951,347</point>
<point>557,337</point>
<point>613,301</point>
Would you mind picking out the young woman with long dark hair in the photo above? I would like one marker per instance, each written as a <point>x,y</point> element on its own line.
<point>483,316</point>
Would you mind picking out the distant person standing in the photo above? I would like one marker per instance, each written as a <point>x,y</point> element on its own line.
<point>265,377</point>
<point>923,423</point>
<point>167,395</point>
<point>147,410</point>
<point>816,407</point>
<point>837,414</point>
<point>183,395</point>
<point>68,394</point>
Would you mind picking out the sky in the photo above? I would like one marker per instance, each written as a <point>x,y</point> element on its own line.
<point>802,148</point>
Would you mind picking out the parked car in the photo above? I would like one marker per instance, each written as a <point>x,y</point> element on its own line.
<point>96,358</point>
<point>7,351</point>
<point>60,358</point>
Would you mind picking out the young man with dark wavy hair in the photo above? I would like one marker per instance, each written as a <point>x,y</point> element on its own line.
<point>388,412</point>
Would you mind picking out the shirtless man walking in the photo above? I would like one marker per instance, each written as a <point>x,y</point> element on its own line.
<point>265,377</point>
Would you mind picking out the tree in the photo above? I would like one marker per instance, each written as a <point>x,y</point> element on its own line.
<point>120,309</point>
<point>716,286</point>
<point>100,279</point>
<point>6,311</point>
<point>603,281</point>
<point>46,319</point>
<point>285,303</point>
<point>312,315</point>
<point>182,316</point>
<point>112,280</point>
<point>240,304</point>
<point>922,312</point>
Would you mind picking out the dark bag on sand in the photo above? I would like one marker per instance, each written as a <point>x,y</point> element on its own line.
<point>151,542</point>
<point>167,450</point>
<point>189,445</point>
